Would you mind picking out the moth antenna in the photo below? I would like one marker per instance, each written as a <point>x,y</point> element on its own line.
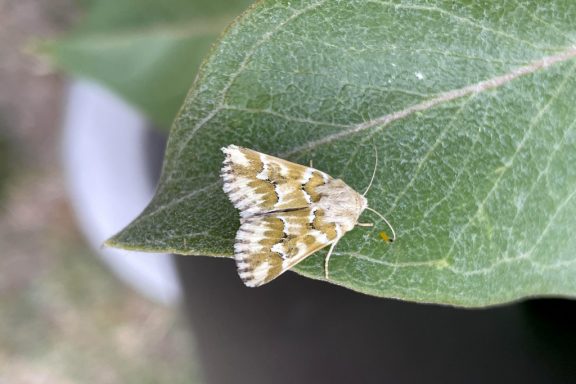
<point>328,258</point>
<point>373,172</point>
<point>386,221</point>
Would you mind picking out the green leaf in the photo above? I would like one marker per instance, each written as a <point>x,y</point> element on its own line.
<point>146,50</point>
<point>470,105</point>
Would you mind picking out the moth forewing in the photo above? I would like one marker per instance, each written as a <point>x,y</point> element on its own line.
<point>288,211</point>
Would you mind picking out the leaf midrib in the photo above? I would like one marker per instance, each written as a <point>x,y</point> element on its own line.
<point>383,121</point>
<point>441,98</point>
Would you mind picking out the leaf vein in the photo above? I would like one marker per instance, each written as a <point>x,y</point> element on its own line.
<point>510,162</point>
<point>430,151</point>
<point>174,202</point>
<point>285,117</point>
<point>461,19</point>
<point>441,98</point>
<point>242,66</point>
<point>537,180</point>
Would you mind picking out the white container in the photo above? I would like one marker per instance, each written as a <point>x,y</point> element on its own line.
<point>107,160</point>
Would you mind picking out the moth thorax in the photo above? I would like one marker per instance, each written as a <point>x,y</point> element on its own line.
<point>341,204</point>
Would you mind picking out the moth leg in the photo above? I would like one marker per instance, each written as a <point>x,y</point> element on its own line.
<point>365,224</point>
<point>311,164</point>
<point>327,259</point>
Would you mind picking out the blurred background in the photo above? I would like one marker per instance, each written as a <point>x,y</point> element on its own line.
<point>88,89</point>
<point>64,317</point>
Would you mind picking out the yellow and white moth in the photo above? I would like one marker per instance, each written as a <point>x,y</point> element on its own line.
<point>287,212</point>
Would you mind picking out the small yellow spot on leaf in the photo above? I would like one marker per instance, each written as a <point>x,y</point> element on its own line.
<point>385,237</point>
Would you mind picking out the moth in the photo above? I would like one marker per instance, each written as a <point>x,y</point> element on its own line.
<point>287,212</point>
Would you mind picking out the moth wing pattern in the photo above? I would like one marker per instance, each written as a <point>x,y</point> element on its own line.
<point>258,183</point>
<point>268,245</point>
<point>287,212</point>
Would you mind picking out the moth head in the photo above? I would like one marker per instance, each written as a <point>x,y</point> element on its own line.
<point>361,202</point>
